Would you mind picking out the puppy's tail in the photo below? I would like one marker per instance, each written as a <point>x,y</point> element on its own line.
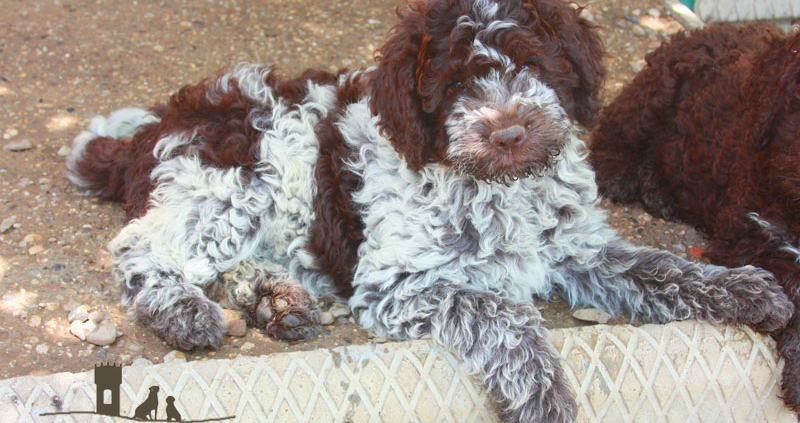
<point>101,154</point>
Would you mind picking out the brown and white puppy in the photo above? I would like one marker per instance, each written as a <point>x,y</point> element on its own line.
<point>438,192</point>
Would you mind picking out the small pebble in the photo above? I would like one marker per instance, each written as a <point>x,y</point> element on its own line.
<point>76,328</point>
<point>638,65</point>
<point>632,19</point>
<point>638,30</point>
<point>36,249</point>
<point>7,224</point>
<point>64,151</point>
<point>104,334</point>
<point>18,145</point>
<point>247,346</point>
<point>134,346</point>
<point>325,318</point>
<point>339,310</point>
<point>174,356</point>
<point>34,321</point>
<point>97,316</point>
<point>71,305</point>
<point>89,326</point>
<point>30,239</point>
<point>592,315</point>
<point>79,313</point>
<point>42,349</point>
<point>654,12</point>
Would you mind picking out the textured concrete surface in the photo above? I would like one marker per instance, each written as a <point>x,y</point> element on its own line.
<point>682,372</point>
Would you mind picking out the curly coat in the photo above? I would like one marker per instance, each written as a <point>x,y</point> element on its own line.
<point>437,193</point>
<point>709,133</point>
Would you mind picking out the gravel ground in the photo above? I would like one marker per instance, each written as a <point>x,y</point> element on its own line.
<point>66,60</point>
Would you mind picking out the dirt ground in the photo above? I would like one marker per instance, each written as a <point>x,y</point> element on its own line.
<point>62,61</point>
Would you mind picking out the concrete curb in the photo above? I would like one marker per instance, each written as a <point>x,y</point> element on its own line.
<point>681,372</point>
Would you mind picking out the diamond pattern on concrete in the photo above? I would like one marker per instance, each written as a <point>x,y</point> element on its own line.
<point>682,372</point>
<point>746,10</point>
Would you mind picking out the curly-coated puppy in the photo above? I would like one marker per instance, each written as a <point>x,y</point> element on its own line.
<point>709,133</point>
<point>439,192</point>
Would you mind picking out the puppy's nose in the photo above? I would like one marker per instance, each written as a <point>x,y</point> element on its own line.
<point>507,137</point>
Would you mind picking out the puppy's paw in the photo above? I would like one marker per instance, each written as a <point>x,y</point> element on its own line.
<point>188,323</point>
<point>761,302</point>
<point>552,404</point>
<point>287,311</point>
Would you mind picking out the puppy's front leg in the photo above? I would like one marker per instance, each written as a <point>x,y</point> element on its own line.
<point>663,287</point>
<point>201,222</point>
<point>500,340</point>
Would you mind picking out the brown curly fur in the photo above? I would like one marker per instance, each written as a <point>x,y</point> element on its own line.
<point>709,133</point>
<point>420,64</point>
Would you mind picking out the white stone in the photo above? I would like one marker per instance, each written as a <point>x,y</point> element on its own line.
<point>76,328</point>
<point>18,145</point>
<point>592,315</point>
<point>174,356</point>
<point>80,313</point>
<point>104,334</point>
<point>339,310</point>
<point>97,316</point>
<point>7,224</point>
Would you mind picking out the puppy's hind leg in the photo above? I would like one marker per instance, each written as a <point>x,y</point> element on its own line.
<point>500,340</point>
<point>273,300</point>
<point>662,287</point>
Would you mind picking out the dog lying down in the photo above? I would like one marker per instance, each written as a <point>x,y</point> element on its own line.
<point>709,133</point>
<point>437,193</point>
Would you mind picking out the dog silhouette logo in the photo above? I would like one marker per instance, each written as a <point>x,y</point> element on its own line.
<point>148,410</point>
<point>108,381</point>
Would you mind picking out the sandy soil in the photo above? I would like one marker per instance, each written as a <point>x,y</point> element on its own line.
<point>65,60</point>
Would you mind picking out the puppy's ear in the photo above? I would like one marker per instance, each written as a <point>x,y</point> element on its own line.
<point>571,56</point>
<point>394,92</point>
<point>585,52</point>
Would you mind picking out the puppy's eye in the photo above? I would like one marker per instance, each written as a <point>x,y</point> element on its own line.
<point>526,66</point>
<point>453,87</point>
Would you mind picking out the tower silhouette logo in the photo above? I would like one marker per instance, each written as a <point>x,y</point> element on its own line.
<point>108,380</point>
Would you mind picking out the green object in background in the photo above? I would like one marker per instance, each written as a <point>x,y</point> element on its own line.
<point>688,3</point>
